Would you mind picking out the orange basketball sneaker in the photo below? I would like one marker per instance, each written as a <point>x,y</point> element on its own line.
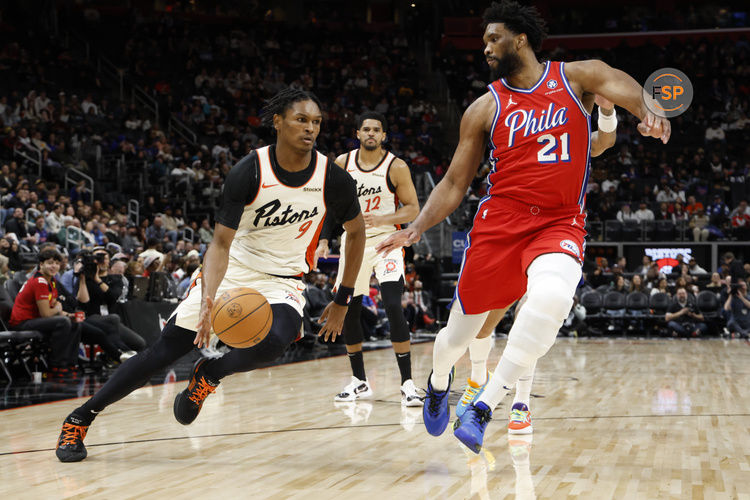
<point>188,403</point>
<point>70,447</point>
<point>520,420</point>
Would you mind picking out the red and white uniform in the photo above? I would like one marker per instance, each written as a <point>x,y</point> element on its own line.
<point>540,144</point>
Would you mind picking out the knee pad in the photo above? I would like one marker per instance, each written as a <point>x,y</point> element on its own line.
<point>352,330</point>
<point>549,298</point>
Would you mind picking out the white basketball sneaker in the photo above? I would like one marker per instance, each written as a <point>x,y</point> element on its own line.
<point>409,396</point>
<point>357,389</point>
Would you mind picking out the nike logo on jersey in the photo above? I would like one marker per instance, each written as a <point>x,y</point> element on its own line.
<point>363,191</point>
<point>267,215</point>
<point>526,121</point>
<point>511,102</point>
<point>269,185</point>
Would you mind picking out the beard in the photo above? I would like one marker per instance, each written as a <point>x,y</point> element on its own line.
<point>506,66</point>
<point>370,147</point>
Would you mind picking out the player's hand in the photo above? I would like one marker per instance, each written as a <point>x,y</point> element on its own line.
<point>320,252</point>
<point>333,316</point>
<point>203,333</point>
<point>655,126</point>
<point>404,238</point>
<point>603,103</point>
<point>371,220</point>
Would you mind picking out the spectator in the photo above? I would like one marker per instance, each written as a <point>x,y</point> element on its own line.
<point>694,268</point>
<point>625,215</point>
<point>645,266</point>
<point>156,230</point>
<point>644,213</point>
<point>206,232</point>
<point>693,206</point>
<point>741,221</point>
<point>679,216</point>
<point>715,284</point>
<point>9,249</point>
<point>683,317</point>
<point>637,285</point>
<point>738,304</point>
<point>732,266</point>
<point>699,223</point>
<point>661,287</point>
<point>37,308</point>
<point>54,220</point>
<point>17,226</point>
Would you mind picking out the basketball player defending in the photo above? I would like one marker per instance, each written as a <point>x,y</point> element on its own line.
<point>272,209</point>
<point>519,420</point>
<point>383,181</point>
<point>528,233</point>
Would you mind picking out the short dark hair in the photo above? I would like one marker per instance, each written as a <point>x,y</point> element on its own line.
<point>518,19</point>
<point>50,253</point>
<point>371,115</point>
<point>283,100</point>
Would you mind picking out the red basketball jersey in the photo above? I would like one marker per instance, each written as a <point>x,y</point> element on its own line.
<point>540,142</point>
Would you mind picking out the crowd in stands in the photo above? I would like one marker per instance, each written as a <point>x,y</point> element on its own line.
<point>679,299</point>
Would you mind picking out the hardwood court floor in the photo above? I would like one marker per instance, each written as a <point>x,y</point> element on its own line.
<point>613,419</point>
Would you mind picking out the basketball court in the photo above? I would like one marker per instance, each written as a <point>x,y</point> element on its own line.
<point>613,418</point>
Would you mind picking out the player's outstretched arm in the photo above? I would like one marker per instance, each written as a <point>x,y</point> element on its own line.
<point>598,77</point>
<point>334,313</point>
<point>449,192</point>
<point>400,177</point>
<point>214,267</point>
<point>602,140</point>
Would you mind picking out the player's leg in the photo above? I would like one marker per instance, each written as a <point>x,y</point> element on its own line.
<point>358,387</point>
<point>479,351</point>
<point>391,291</point>
<point>450,344</point>
<point>552,281</point>
<point>519,421</point>
<point>208,372</point>
<point>173,343</point>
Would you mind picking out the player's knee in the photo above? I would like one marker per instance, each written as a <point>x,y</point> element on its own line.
<point>553,300</point>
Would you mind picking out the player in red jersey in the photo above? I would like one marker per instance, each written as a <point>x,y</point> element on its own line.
<point>528,233</point>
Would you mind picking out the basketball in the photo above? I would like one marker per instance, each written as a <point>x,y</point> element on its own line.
<point>241,317</point>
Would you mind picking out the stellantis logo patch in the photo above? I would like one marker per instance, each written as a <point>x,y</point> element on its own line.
<point>571,247</point>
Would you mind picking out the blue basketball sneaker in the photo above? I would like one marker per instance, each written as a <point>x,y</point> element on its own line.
<point>471,394</point>
<point>436,413</point>
<point>469,429</point>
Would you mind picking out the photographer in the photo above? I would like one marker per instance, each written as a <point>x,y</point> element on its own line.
<point>683,317</point>
<point>738,304</point>
<point>103,294</point>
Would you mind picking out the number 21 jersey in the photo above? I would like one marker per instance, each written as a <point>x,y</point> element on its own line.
<point>540,142</point>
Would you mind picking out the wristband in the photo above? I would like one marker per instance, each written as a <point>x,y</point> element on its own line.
<point>343,295</point>
<point>607,123</point>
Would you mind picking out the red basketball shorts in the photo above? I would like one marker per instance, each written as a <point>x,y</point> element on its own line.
<point>507,236</point>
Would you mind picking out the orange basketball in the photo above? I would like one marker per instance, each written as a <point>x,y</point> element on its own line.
<point>241,317</point>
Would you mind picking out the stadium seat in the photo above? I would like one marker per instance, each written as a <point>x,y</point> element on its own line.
<point>636,304</point>
<point>17,347</point>
<point>631,231</point>
<point>665,231</point>
<point>710,306</point>
<point>636,301</point>
<point>612,230</point>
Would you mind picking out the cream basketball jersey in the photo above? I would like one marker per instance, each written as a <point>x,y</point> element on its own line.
<point>279,229</point>
<point>377,196</point>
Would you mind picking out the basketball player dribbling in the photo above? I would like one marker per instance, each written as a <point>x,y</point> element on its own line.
<point>268,223</point>
<point>383,181</point>
<point>519,420</point>
<point>528,233</point>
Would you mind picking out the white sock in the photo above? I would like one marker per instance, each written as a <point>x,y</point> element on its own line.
<point>523,386</point>
<point>506,374</point>
<point>451,343</point>
<point>479,351</point>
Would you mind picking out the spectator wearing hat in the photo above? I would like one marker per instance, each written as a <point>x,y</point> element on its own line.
<point>741,221</point>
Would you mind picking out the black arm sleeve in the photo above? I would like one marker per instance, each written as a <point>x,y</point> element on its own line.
<point>240,188</point>
<point>340,197</point>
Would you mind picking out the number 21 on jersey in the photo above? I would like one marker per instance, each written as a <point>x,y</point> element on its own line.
<point>548,153</point>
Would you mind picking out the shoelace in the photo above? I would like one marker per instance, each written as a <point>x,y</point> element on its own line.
<point>72,433</point>
<point>201,391</point>
<point>481,417</point>
<point>435,400</point>
<point>469,394</point>
<point>518,415</point>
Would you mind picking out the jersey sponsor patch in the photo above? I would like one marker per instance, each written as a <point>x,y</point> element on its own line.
<point>552,84</point>
<point>570,246</point>
<point>41,281</point>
